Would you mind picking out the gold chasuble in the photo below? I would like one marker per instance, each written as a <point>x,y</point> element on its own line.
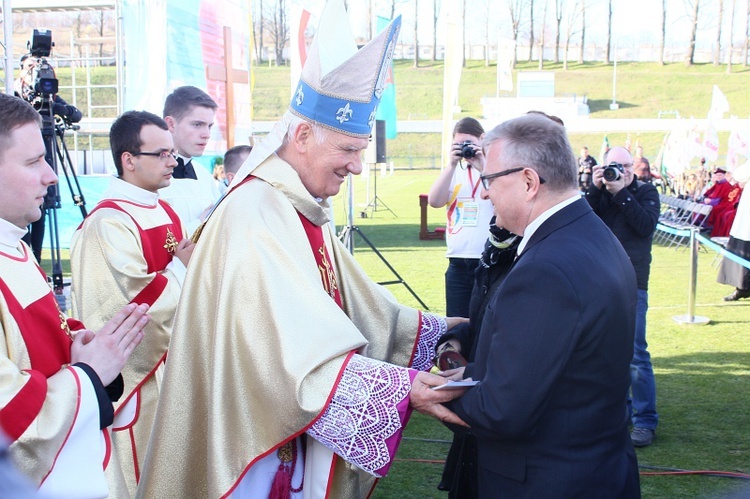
<point>259,344</point>
<point>123,253</point>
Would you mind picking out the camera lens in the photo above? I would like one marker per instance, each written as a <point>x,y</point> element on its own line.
<point>467,150</point>
<point>611,173</point>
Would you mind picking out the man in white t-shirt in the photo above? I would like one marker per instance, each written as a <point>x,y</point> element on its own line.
<point>468,215</point>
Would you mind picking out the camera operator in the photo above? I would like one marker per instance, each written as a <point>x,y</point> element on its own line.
<point>25,88</point>
<point>630,208</point>
<point>458,189</point>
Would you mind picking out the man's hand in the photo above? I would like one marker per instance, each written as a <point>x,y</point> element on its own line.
<point>615,186</point>
<point>597,176</point>
<point>452,322</point>
<point>184,251</point>
<point>428,401</point>
<point>107,351</point>
<point>456,374</point>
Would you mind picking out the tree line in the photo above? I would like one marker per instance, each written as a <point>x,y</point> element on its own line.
<point>555,25</point>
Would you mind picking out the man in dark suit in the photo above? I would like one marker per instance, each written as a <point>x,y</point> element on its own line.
<point>554,349</point>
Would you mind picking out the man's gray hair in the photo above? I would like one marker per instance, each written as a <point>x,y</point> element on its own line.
<point>292,121</point>
<point>537,142</point>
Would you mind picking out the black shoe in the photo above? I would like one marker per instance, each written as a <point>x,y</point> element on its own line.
<point>738,294</point>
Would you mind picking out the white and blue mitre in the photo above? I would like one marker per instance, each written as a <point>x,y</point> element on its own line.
<point>340,87</point>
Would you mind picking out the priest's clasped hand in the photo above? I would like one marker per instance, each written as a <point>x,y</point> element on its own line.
<point>107,350</point>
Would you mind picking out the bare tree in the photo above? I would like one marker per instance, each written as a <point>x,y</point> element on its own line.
<point>487,16</point>
<point>278,30</point>
<point>434,28</point>
<point>541,36</point>
<point>369,19</point>
<point>416,38</point>
<point>663,31</point>
<point>258,31</point>
<point>102,22</point>
<point>731,35</point>
<point>531,28</point>
<point>78,28</point>
<point>515,7</point>
<point>559,4</point>
<point>463,34</point>
<point>570,22</point>
<point>747,36</point>
<point>694,4</point>
<point>608,55</point>
<point>717,47</point>
<point>583,32</point>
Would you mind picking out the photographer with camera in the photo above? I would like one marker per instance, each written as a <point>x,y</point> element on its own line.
<point>458,189</point>
<point>630,208</point>
<point>37,77</point>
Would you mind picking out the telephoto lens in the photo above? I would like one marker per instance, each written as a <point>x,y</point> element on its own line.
<point>612,172</point>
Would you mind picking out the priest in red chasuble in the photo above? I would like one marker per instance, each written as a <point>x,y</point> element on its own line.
<point>57,379</point>
<point>290,372</point>
<point>131,249</point>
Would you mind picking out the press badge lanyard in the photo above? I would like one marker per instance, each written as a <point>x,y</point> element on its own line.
<point>474,186</point>
<point>470,210</point>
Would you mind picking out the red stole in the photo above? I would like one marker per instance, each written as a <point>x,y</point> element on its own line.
<point>44,330</point>
<point>322,259</point>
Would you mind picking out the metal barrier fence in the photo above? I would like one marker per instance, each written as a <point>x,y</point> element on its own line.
<point>696,239</point>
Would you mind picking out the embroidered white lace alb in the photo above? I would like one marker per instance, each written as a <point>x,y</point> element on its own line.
<point>433,327</point>
<point>363,413</point>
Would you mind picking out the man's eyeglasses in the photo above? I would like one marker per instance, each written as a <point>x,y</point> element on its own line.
<point>486,178</point>
<point>162,155</point>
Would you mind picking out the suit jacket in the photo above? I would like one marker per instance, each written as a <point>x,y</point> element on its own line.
<point>553,357</point>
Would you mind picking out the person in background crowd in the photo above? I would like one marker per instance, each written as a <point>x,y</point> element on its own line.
<point>630,208</point>
<point>190,113</point>
<point>468,215</point>
<point>58,379</point>
<point>732,273</point>
<point>131,248</point>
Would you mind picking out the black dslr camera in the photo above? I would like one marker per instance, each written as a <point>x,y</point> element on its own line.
<point>43,77</point>
<point>467,149</point>
<point>613,171</point>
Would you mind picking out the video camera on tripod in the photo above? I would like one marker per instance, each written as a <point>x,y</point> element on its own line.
<point>42,83</point>
<point>38,85</point>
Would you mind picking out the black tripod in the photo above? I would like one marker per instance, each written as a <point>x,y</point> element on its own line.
<point>347,237</point>
<point>58,157</point>
<point>373,204</point>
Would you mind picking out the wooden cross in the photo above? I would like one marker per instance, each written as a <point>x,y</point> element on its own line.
<point>231,76</point>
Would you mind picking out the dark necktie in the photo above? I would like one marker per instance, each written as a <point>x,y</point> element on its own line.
<point>184,170</point>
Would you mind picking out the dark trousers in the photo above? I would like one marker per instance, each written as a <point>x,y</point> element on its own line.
<point>459,281</point>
